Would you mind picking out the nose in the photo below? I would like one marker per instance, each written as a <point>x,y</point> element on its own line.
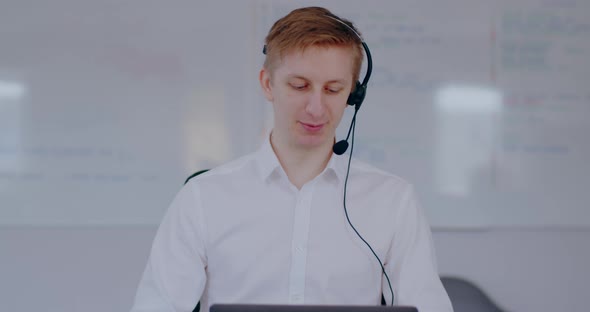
<point>315,104</point>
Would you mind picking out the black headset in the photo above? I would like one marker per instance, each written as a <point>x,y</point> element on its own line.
<point>357,96</point>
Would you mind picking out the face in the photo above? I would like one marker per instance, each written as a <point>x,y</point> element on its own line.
<point>308,91</point>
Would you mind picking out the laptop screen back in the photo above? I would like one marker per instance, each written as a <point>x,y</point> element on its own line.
<point>306,308</point>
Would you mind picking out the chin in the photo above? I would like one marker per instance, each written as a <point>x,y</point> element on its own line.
<point>313,141</point>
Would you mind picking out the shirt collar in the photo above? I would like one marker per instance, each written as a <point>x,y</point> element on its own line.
<point>266,159</point>
<point>268,163</point>
<point>337,167</point>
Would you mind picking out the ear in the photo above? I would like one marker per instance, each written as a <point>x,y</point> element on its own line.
<point>265,84</point>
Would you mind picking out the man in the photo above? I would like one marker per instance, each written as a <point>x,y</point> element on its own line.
<point>271,227</point>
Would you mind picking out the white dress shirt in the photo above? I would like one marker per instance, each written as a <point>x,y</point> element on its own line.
<point>242,233</point>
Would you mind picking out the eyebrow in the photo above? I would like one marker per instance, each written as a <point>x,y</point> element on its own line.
<point>303,78</point>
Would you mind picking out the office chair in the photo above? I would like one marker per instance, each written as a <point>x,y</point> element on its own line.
<point>194,175</point>
<point>466,297</point>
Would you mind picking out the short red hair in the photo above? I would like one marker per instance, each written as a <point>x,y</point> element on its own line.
<point>311,26</point>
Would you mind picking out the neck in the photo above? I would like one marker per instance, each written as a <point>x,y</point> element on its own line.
<point>301,166</point>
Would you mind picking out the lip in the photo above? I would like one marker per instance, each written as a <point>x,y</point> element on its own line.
<point>312,127</point>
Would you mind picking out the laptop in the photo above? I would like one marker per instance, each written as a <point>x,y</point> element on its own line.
<point>306,308</point>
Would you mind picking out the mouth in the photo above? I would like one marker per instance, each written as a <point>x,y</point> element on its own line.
<point>312,127</point>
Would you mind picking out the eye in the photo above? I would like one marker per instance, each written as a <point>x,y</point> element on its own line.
<point>298,87</point>
<point>333,90</point>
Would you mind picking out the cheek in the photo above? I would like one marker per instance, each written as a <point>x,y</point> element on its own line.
<point>291,103</point>
<point>338,109</point>
<point>284,109</point>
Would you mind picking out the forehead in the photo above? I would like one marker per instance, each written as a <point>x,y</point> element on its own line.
<point>317,63</point>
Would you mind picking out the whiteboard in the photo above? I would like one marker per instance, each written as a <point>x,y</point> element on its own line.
<point>107,106</point>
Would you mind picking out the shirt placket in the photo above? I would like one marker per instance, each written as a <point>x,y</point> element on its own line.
<point>301,222</point>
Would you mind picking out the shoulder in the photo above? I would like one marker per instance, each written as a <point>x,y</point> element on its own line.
<point>233,169</point>
<point>360,170</point>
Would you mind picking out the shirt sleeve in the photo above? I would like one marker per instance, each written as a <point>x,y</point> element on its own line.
<point>175,276</point>
<point>411,263</point>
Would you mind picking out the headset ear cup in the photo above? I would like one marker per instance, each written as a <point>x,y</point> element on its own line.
<point>357,96</point>
<point>352,97</point>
